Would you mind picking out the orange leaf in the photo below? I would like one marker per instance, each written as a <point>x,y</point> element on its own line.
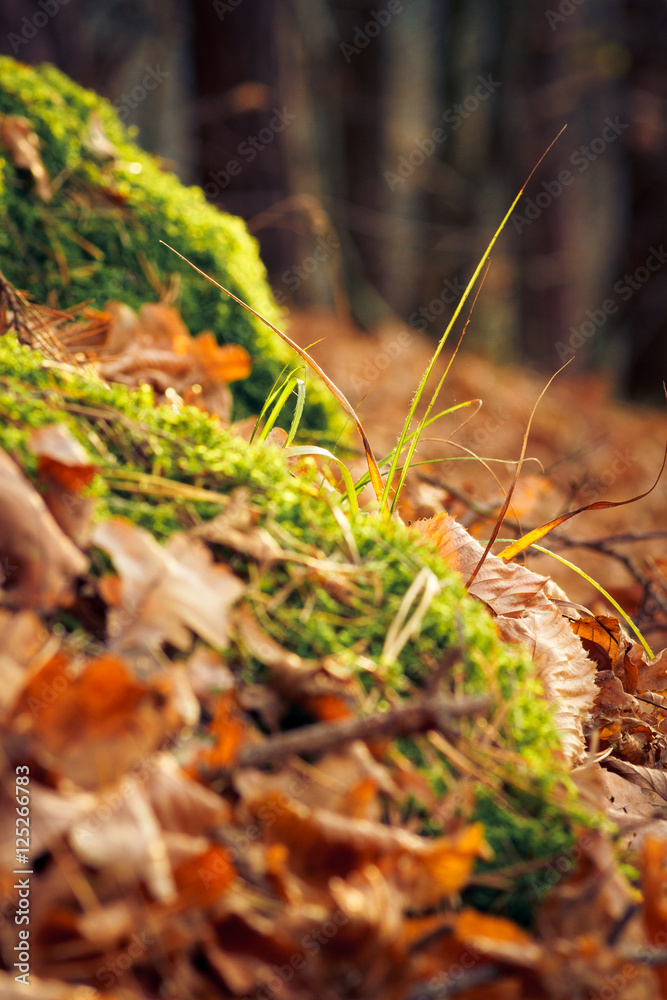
<point>96,704</point>
<point>202,880</point>
<point>601,638</point>
<point>228,728</point>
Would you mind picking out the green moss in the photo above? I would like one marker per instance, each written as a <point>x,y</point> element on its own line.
<point>98,238</point>
<point>531,809</point>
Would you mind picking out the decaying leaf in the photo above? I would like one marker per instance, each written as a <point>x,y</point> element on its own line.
<point>602,639</point>
<point>525,615</point>
<point>165,593</point>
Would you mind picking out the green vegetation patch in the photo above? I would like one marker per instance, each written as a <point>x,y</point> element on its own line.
<point>523,797</point>
<point>98,238</point>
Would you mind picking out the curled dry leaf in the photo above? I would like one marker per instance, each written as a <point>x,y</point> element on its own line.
<point>181,804</point>
<point>18,137</point>
<point>602,639</point>
<point>37,561</point>
<point>652,676</point>
<point>165,593</point>
<point>497,938</point>
<point>525,615</point>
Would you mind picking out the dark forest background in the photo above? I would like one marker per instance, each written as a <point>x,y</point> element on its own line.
<point>373,148</point>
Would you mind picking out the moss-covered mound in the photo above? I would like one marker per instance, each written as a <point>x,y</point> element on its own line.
<point>98,237</point>
<point>526,808</point>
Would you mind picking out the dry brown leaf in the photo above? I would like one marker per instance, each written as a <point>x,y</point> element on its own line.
<point>497,937</point>
<point>37,561</point>
<point>602,639</point>
<point>97,141</point>
<point>203,878</point>
<point>96,725</point>
<point>155,347</point>
<point>165,593</point>
<point>129,843</point>
<point>652,780</point>
<point>23,643</point>
<point>526,615</point>
<point>65,470</point>
<point>181,804</point>
<point>323,843</point>
<point>652,676</point>
<point>17,136</point>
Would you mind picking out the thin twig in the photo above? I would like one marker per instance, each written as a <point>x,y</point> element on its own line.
<point>413,717</point>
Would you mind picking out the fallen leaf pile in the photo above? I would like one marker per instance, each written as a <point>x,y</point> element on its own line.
<point>152,348</point>
<point>198,829</point>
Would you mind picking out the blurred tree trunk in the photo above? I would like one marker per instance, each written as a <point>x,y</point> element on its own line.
<point>645,313</point>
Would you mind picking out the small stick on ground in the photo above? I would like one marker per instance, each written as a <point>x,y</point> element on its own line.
<point>413,717</point>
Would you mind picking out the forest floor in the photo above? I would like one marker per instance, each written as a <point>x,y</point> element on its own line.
<point>584,446</point>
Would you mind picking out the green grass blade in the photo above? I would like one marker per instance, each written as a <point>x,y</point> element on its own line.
<point>365,479</point>
<point>347,478</point>
<point>298,410</point>
<point>276,409</point>
<point>600,588</point>
<point>469,287</point>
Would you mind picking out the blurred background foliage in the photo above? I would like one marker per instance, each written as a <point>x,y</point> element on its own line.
<point>373,148</point>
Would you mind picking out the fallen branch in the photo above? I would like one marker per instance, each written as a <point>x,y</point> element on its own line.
<point>414,717</point>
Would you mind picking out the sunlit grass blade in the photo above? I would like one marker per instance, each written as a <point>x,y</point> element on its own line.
<point>443,339</point>
<point>276,389</point>
<point>298,410</point>
<point>374,472</point>
<point>607,596</point>
<point>277,401</point>
<point>422,423</point>
<point>303,450</point>
<point>365,478</point>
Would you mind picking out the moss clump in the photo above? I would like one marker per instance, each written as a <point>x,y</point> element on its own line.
<point>528,808</point>
<point>98,238</point>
